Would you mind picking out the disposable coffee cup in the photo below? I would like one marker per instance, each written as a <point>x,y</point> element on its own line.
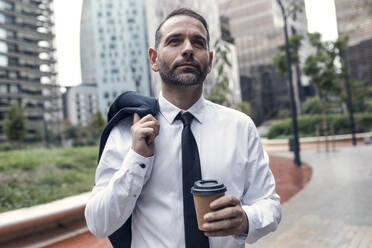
<point>204,192</point>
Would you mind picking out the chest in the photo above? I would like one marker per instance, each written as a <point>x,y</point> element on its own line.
<point>222,151</point>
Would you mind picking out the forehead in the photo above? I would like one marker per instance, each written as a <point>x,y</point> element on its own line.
<point>183,24</point>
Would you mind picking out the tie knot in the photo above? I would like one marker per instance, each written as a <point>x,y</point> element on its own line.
<point>186,118</point>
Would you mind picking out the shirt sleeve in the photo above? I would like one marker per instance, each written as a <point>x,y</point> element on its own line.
<point>260,202</point>
<point>120,176</point>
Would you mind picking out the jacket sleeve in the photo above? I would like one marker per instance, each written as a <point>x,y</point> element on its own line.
<point>260,202</point>
<point>120,176</point>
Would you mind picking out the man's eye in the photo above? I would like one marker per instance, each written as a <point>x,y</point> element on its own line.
<point>199,43</point>
<point>173,41</point>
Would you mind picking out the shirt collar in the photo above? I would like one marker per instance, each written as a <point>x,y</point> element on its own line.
<point>170,111</point>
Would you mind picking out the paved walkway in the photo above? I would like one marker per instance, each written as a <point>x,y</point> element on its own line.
<point>334,209</point>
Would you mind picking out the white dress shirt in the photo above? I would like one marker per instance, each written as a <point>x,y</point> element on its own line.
<point>151,188</point>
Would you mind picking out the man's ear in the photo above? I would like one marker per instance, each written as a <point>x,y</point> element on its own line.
<point>210,61</point>
<point>153,57</point>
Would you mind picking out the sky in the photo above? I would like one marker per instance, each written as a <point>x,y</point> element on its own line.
<point>320,14</point>
<point>321,17</point>
<point>67,30</point>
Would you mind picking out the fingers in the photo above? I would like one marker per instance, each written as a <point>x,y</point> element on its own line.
<point>223,224</point>
<point>223,214</point>
<point>224,201</point>
<point>136,118</point>
<point>227,217</point>
<point>144,131</point>
<point>151,124</point>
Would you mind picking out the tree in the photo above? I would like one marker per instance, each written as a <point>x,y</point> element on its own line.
<point>220,90</point>
<point>15,123</point>
<point>321,67</point>
<point>97,124</point>
<point>294,8</point>
<point>280,62</point>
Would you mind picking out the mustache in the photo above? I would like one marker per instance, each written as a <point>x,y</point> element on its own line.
<point>188,62</point>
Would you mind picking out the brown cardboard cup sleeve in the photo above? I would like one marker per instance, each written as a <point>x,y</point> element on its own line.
<point>204,192</point>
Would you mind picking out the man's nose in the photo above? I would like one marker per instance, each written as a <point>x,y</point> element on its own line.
<point>187,50</point>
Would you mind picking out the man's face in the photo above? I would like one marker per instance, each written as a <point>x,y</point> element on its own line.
<point>183,56</point>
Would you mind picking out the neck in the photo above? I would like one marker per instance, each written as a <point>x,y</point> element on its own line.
<point>182,97</point>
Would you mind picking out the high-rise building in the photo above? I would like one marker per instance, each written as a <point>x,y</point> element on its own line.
<point>257,28</point>
<point>27,63</point>
<point>360,61</point>
<point>114,48</point>
<point>80,103</point>
<point>354,19</point>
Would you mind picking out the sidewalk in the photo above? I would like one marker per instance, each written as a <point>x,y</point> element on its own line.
<point>334,209</point>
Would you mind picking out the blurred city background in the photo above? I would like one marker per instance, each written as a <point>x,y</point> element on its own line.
<point>302,69</point>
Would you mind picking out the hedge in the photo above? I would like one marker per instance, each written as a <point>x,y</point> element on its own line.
<point>307,125</point>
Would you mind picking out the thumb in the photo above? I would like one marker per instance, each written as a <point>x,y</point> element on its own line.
<point>136,118</point>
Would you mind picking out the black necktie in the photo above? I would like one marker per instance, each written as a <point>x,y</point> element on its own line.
<point>190,173</point>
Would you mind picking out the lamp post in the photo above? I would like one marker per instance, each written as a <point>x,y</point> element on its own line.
<point>296,144</point>
<point>349,98</point>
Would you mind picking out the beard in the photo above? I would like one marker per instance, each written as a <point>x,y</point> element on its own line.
<point>182,76</point>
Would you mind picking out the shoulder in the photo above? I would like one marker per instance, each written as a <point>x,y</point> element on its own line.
<point>120,130</point>
<point>227,114</point>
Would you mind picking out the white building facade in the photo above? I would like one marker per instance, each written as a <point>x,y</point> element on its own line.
<point>113,35</point>
<point>81,102</point>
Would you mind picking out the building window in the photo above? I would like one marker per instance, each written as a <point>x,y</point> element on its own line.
<point>3,47</point>
<point>3,60</point>
<point>3,88</point>
<point>5,5</point>
<point>106,95</point>
<point>13,75</point>
<point>13,88</point>
<point>2,33</point>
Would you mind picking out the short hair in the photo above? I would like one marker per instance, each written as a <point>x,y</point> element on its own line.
<point>181,11</point>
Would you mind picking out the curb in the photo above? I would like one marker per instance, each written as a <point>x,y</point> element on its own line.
<point>55,219</point>
<point>282,144</point>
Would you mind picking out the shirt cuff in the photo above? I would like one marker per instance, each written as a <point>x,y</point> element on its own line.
<point>249,211</point>
<point>137,164</point>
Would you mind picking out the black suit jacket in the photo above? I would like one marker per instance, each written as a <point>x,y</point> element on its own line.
<point>124,106</point>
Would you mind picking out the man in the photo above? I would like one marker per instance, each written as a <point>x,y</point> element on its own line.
<point>140,170</point>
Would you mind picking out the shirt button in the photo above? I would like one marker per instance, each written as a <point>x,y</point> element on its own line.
<point>143,166</point>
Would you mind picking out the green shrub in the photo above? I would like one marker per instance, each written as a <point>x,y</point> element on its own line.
<point>312,106</point>
<point>36,176</point>
<point>307,125</point>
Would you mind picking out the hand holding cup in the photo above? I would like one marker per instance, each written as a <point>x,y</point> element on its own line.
<point>227,218</point>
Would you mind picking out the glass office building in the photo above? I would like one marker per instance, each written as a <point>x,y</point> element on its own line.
<point>114,48</point>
